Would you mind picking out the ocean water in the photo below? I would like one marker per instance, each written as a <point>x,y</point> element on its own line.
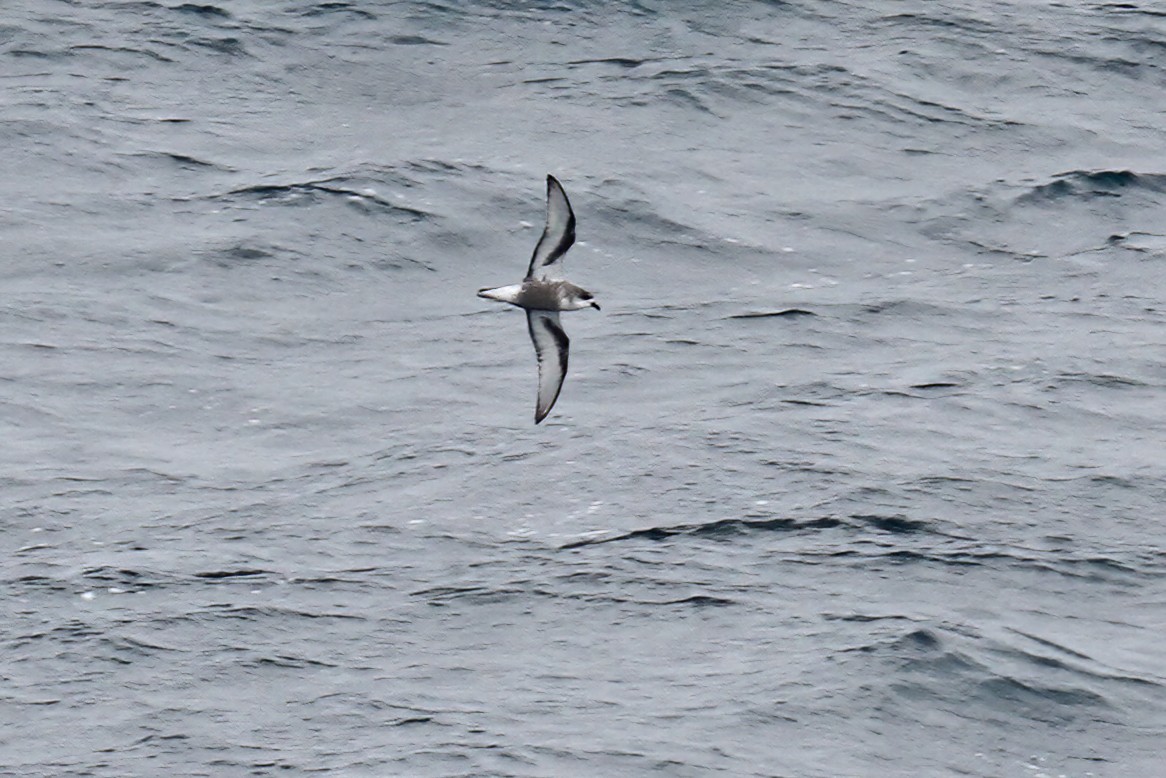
<point>859,471</point>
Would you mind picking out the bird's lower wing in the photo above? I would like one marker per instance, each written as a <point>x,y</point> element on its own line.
<point>551,346</point>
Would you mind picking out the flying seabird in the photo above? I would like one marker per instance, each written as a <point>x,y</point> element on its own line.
<point>543,293</point>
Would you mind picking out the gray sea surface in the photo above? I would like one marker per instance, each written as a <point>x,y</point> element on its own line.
<point>859,472</point>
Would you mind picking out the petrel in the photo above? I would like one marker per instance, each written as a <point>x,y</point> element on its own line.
<point>543,293</point>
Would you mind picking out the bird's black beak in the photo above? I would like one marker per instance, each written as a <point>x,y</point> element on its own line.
<point>595,305</point>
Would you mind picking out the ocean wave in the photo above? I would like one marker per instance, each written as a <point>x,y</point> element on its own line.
<point>1087,185</point>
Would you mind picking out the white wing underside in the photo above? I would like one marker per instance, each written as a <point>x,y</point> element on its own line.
<point>551,346</point>
<point>557,237</point>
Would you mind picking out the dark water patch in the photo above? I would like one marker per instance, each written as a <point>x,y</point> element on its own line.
<point>312,10</point>
<point>137,647</point>
<point>686,98</point>
<point>1042,702</point>
<point>917,394</point>
<point>411,720</point>
<point>1090,185</point>
<point>1133,69</point>
<point>720,529</point>
<point>1010,221</point>
<point>223,610</point>
<point>482,594</point>
<point>67,631</point>
<point>932,664</point>
<point>447,592</point>
<point>897,525</point>
<point>439,596</point>
<point>788,313</point>
<point>241,254</point>
<point>712,90</point>
<point>928,651</point>
<point>936,385</point>
<point>220,575</point>
<point>206,11</point>
<point>22,53</point>
<point>940,483</point>
<point>358,577</point>
<point>863,618</point>
<point>934,112</point>
<point>924,641</point>
<point>1113,480</point>
<point>233,47</point>
<point>960,23</point>
<point>699,600</point>
<point>271,613</point>
<point>289,661</point>
<point>810,403</point>
<point>957,559</point>
<point>695,601</point>
<point>33,584</point>
<point>623,63</point>
<point>1050,644</point>
<point>1071,661</point>
<point>183,161</point>
<point>122,578</point>
<point>313,192</point>
<point>1097,569</point>
<point>355,701</point>
<point>817,393</point>
<point>414,40</point>
<point>432,165</point>
<point>927,390</point>
<point>1131,8</point>
<point>1103,380</point>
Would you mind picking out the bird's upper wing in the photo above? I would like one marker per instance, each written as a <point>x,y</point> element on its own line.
<point>557,236</point>
<point>550,345</point>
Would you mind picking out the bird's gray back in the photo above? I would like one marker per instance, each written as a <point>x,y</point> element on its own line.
<point>542,295</point>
